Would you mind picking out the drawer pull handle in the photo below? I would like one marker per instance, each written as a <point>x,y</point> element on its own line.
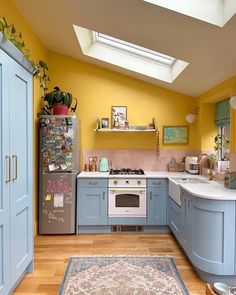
<point>93,182</point>
<point>156,183</point>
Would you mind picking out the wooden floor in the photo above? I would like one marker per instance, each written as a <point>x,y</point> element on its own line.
<point>52,254</point>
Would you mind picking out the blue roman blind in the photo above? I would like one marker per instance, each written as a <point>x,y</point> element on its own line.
<point>222,114</point>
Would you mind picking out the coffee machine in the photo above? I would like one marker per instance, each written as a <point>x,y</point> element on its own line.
<point>192,165</point>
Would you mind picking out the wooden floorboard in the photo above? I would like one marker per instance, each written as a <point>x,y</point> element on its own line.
<point>51,256</point>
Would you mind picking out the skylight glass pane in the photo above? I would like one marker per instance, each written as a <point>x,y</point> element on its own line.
<point>134,49</point>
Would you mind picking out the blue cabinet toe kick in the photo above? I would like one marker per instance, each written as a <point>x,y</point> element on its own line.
<point>212,278</point>
<point>127,221</point>
<point>122,228</point>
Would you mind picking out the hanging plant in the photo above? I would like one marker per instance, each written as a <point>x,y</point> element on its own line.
<point>9,32</point>
<point>40,71</point>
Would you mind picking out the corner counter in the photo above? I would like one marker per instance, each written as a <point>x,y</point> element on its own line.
<point>204,224</point>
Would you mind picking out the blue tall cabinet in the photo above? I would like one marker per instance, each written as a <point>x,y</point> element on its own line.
<point>16,173</point>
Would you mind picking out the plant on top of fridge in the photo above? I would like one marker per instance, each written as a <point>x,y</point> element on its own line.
<point>59,101</point>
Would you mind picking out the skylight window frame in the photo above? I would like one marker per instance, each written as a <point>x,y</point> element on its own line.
<point>133,49</point>
<point>122,60</point>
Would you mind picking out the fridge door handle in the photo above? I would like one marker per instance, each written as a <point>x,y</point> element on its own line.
<point>8,161</point>
<point>14,158</point>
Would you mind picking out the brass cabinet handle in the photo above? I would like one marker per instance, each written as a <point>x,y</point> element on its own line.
<point>8,159</point>
<point>181,197</point>
<point>190,205</point>
<point>14,157</point>
<point>150,195</point>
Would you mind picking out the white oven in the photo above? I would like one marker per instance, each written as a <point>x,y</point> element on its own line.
<point>127,198</point>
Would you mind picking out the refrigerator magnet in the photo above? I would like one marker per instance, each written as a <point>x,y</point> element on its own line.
<point>52,167</point>
<point>58,200</point>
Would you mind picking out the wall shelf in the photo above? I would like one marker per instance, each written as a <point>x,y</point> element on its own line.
<point>125,130</point>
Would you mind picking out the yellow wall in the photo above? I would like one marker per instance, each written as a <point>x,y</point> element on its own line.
<point>206,125</point>
<point>8,9</point>
<point>98,89</point>
<point>207,102</point>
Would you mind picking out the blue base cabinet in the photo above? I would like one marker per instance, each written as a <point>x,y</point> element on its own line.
<point>16,173</point>
<point>206,231</point>
<point>211,235</point>
<point>156,202</point>
<point>92,202</point>
<point>177,220</point>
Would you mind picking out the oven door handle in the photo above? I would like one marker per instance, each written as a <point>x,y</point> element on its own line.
<point>128,190</point>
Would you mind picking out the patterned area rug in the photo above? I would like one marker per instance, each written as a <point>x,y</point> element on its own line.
<point>122,275</point>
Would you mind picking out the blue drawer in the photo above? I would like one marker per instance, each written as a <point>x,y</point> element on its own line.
<point>156,182</point>
<point>92,182</point>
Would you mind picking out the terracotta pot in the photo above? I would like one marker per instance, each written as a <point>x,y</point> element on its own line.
<point>60,109</point>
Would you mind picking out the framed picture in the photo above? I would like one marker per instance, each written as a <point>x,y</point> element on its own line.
<point>105,123</point>
<point>119,116</point>
<point>175,134</point>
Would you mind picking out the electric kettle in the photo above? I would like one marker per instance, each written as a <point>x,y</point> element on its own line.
<point>104,165</point>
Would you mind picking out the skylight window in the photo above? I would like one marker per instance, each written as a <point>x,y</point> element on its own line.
<point>129,56</point>
<point>134,49</point>
<point>217,12</point>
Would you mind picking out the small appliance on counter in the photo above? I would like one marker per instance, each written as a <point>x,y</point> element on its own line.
<point>104,165</point>
<point>230,179</point>
<point>192,165</point>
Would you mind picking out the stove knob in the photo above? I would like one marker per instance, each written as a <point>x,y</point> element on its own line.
<point>139,182</point>
<point>115,182</point>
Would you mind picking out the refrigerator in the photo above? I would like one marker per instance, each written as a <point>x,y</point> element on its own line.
<point>58,167</point>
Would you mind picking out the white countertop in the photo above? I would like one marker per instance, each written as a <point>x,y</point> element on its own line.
<point>210,190</point>
<point>97,174</point>
<point>148,174</point>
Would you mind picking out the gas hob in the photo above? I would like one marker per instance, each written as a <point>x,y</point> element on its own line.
<point>127,177</point>
<point>127,171</point>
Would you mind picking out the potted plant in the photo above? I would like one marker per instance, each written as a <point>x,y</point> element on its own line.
<point>221,142</point>
<point>59,102</point>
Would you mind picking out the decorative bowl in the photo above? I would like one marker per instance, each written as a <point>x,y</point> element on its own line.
<point>221,289</point>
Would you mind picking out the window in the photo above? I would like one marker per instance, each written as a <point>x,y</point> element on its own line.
<point>222,122</point>
<point>128,56</point>
<point>222,142</point>
<point>133,49</point>
<point>217,12</point>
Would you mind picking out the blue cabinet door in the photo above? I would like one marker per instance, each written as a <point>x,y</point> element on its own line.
<point>211,235</point>
<point>92,206</point>
<point>177,220</point>
<point>4,176</point>
<point>156,206</point>
<point>21,186</point>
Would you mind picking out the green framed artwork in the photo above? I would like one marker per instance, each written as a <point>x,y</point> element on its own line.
<point>175,134</point>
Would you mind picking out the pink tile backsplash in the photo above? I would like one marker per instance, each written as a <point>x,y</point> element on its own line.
<point>145,159</point>
<point>233,162</point>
